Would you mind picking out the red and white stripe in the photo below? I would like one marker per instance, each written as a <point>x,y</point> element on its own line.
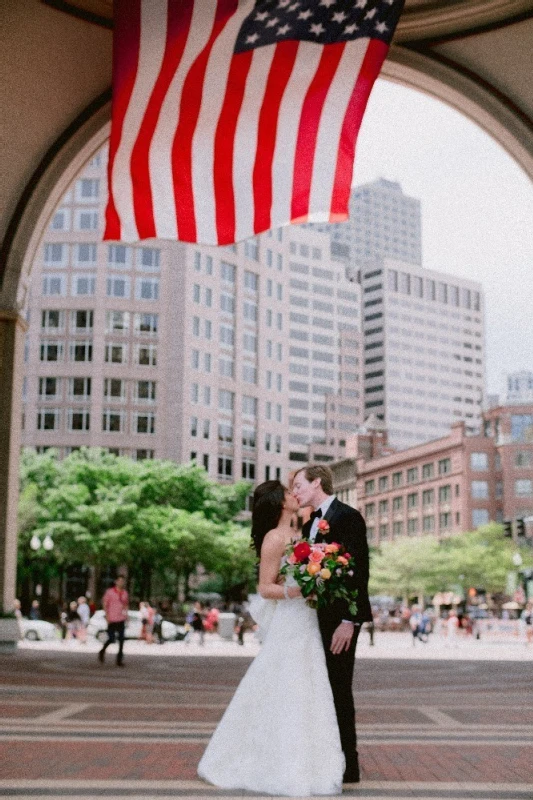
<point>211,147</point>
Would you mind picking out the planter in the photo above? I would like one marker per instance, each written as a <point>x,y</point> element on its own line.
<point>9,634</point>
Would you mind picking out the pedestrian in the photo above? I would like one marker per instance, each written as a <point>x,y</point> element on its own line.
<point>526,618</point>
<point>371,628</point>
<point>452,627</point>
<point>63,623</point>
<point>73,620</point>
<point>197,621</point>
<point>115,603</point>
<point>414,623</point>
<point>147,621</point>
<point>158,626</point>
<point>211,620</point>
<point>35,612</point>
<point>84,613</point>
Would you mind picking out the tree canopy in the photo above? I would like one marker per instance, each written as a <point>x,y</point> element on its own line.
<point>424,565</point>
<point>154,517</point>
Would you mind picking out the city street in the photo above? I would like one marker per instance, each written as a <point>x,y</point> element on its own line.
<point>434,724</point>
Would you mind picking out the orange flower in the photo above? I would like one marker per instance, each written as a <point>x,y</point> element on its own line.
<point>313,568</point>
<point>325,573</point>
<point>342,560</point>
<point>333,547</point>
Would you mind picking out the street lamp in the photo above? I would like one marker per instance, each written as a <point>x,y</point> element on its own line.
<point>48,543</point>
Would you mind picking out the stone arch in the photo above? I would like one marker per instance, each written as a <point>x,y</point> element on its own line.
<point>481,104</point>
<point>431,74</point>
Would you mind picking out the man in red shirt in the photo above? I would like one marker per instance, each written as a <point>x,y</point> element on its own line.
<point>115,603</point>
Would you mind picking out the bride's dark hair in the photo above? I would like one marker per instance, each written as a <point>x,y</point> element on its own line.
<point>268,504</point>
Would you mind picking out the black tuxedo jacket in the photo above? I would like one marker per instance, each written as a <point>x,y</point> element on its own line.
<point>346,527</point>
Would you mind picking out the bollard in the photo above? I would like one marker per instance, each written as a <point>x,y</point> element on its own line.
<point>226,625</point>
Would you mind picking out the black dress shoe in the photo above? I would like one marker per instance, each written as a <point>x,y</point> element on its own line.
<point>352,776</point>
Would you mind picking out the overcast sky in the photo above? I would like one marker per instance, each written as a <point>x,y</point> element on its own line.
<point>477,209</point>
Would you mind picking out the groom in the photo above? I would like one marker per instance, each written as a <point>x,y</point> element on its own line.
<point>313,486</point>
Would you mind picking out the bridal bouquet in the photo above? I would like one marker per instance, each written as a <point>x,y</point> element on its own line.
<point>321,571</point>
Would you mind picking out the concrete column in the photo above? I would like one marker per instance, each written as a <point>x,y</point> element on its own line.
<point>12,329</point>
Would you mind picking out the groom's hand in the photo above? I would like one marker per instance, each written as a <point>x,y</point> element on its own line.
<point>342,638</point>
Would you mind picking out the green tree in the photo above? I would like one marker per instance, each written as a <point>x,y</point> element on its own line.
<point>406,567</point>
<point>153,516</point>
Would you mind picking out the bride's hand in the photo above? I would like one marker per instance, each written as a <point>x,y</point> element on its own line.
<point>293,592</point>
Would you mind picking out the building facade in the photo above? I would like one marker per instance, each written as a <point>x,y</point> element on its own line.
<point>383,223</point>
<point>520,387</point>
<point>449,485</point>
<point>236,357</point>
<point>424,350</point>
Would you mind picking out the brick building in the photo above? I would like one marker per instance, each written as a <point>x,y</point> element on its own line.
<point>449,485</point>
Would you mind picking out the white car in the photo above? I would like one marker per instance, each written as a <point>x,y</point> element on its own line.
<point>98,627</point>
<point>37,630</point>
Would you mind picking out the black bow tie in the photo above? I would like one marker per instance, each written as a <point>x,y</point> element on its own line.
<point>316,514</point>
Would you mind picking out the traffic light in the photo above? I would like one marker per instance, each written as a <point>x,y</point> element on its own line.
<point>520,528</point>
<point>508,528</point>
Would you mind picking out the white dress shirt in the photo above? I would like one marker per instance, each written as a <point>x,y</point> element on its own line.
<point>323,507</point>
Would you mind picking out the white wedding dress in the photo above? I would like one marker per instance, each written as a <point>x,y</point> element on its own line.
<point>279,734</point>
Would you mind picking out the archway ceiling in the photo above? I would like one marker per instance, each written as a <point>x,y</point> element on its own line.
<point>57,62</point>
<point>487,41</point>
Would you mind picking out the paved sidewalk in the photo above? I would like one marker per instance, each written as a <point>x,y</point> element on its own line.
<point>432,729</point>
<point>386,646</point>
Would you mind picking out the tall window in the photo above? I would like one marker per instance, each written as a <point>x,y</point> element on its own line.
<point>147,355</point>
<point>79,389</point>
<point>53,321</point>
<point>225,467</point>
<point>148,259</point>
<point>114,389</point>
<point>117,321</point>
<point>479,462</point>
<point>144,422</point>
<point>119,256</point>
<point>83,285</point>
<point>81,321</point>
<point>147,288</point>
<point>54,286</point>
<point>49,388</point>
<point>48,419</point>
<point>118,287</point>
<point>85,254</point>
<point>113,421</point>
<point>116,353</point>
<point>480,490</point>
<point>51,351</point>
<point>81,351</point>
<point>146,324</point>
<point>78,419</point>
<point>145,391</point>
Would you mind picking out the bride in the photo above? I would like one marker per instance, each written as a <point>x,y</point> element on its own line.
<point>279,734</point>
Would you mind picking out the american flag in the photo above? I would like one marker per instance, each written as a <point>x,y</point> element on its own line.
<point>231,117</point>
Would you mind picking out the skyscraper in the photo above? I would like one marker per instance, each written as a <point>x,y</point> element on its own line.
<point>424,350</point>
<point>383,223</point>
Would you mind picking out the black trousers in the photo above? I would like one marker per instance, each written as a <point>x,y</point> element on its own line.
<point>340,671</point>
<point>115,630</point>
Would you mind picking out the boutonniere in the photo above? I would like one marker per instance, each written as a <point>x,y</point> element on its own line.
<point>323,527</point>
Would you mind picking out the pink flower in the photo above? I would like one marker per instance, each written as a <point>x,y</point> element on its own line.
<point>332,548</point>
<point>316,556</point>
<point>342,560</point>
<point>323,526</point>
<point>292,559</point>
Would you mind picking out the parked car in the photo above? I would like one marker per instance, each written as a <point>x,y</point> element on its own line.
<point>98,627</point>
<point>37,630</point>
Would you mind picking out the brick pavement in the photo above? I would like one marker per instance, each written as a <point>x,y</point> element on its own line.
<point>433,730</point>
